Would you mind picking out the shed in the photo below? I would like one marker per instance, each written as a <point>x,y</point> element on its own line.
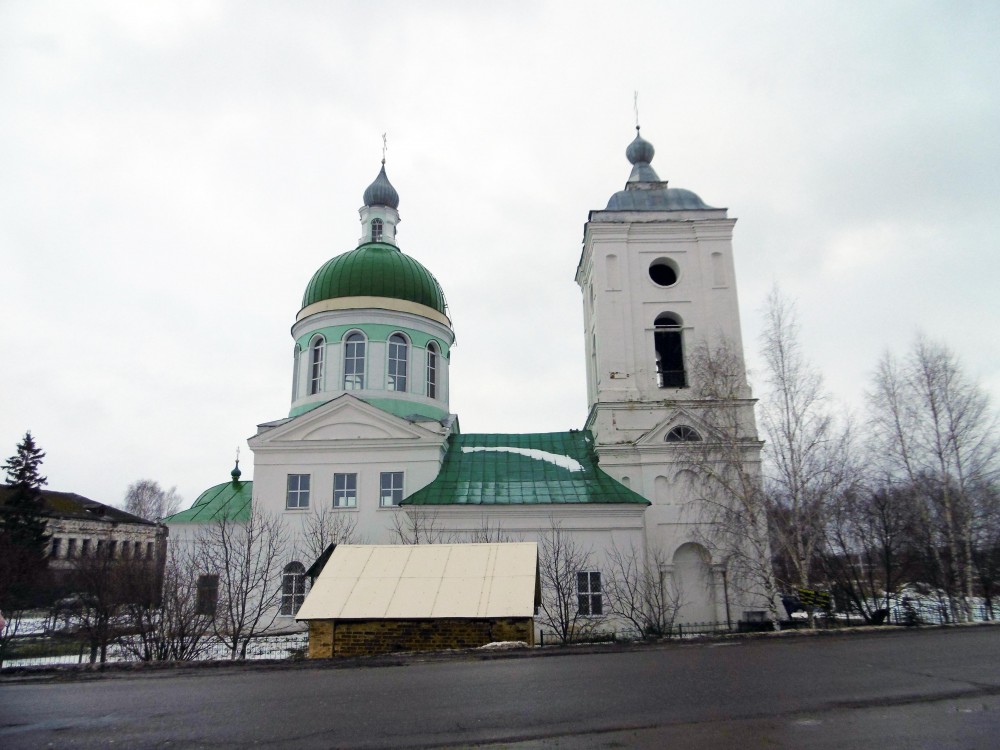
<point>374,599</point>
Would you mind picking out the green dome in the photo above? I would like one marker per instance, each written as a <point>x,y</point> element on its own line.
<point>375,269</point>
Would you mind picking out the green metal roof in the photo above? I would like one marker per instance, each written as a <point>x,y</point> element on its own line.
<point>375,269</point>
<point>540,469</point>
<point>228,500</point>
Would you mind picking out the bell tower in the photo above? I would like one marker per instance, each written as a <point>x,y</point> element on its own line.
<point>658,283</point>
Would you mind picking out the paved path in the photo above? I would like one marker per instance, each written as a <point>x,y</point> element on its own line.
<point>933,689</point>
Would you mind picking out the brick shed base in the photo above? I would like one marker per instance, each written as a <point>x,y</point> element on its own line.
<point>329,638</point>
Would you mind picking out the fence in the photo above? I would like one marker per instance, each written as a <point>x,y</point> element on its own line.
<point>37,645</point>
<point>904,611</point>
<point>48,649</point>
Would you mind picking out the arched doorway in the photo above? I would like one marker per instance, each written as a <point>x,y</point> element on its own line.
<point>692,575</point>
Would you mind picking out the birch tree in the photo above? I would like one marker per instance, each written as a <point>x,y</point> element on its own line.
<point>730,505</point>
<point>808,462</point>
<point>146,499</point>
<point>938,436</point>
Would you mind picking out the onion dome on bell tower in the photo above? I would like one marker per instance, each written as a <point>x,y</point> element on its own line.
<point>645,191</point>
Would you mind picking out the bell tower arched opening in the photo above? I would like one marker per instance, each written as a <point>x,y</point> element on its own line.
<point>669,351</point>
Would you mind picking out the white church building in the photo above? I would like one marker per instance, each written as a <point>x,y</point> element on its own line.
<point>370,438</point>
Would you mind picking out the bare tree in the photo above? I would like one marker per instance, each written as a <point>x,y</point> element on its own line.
<point>104,586</point>
<point>987,545</point>
<point>808,457</point>
<point>730,506</point>
<point>326,526</point>
<point>564,609</point>
<point>638,594</point>
<point>245,555</point>
<point>417,525</point>
<point>487,533</point>
<point>165,623</point>
<point>937,434</point>
<point>869,548</point>
<point>146,499</point>
<point>10,626</point>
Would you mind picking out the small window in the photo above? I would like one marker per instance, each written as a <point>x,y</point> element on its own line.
<point>207,598</point>
<point>588,593</point>
<point>397,363</point>
<point>71,549</point>
<point>85,548</point>
<point>682,434</point>
<point>149,550</point>
<point>669,352</point>
<point>376,230</point>
<point>354,362</point>
<point>317,356</point>
<point>432,370</point>
<point>345,490</point>
<point>293,588</point>
<point>137,550</point>
<point>663,272</point>
<point>391,488</point>
<point>112,548</point>
<point>56,547</point>
<point>297,496</point>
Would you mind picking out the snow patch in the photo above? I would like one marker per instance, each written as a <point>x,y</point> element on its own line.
<point>565,462</point>
<point>504,645</point>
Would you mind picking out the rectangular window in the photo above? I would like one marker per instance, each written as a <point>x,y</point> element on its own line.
<point>391,488</point>
<point>84,548</point>
<point>56,547</point>
<point>71,549</point>
<point>298,491</point>
<point>149,550</point>
<point>137,550</point>
<point>207,598</point>
<point>111,548</point>
<point>345,490</point>
<point>588,593</point>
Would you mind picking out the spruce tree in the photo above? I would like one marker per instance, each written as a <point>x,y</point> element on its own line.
<point>23,537</point>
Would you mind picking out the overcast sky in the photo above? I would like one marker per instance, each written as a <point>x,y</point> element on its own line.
<point>172,173</point>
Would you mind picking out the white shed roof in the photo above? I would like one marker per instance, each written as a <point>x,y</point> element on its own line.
<point>366,581</point>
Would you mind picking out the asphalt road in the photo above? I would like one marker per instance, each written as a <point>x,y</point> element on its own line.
<point>907,689</point>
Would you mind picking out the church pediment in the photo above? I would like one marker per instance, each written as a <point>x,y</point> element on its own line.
<point>681,425</point>
<point>345,418</point>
